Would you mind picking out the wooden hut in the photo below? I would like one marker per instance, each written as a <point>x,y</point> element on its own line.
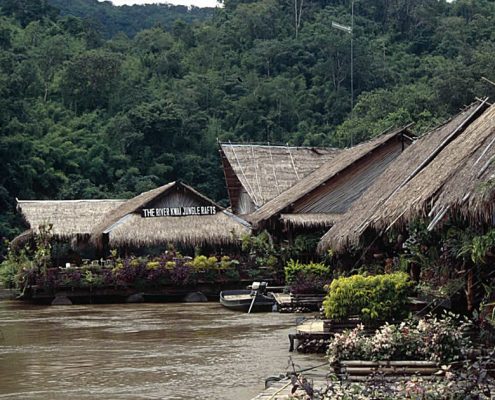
<point>318,200</point>
<point>446,171</point>
<point>255,174</point>
<point>171,214</point>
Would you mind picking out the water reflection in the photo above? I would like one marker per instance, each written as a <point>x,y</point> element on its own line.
<point>143,351</point>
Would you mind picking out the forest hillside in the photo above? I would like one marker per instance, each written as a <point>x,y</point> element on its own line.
<point>104,107</point>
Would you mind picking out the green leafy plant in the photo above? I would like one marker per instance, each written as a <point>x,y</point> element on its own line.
<point>306,278</point>
<point>379,297</point>
<point>42,255</point>
<point>295,268</point>
<point>476,248</point>
<point>11,268</point>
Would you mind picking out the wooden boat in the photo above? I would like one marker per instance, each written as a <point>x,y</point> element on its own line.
<point>240,300</point>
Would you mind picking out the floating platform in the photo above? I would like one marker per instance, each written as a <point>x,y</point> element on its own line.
<point>291,302</point>
<point>311,333</point>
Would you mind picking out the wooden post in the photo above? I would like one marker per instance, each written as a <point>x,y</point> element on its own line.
<point>104,250</point>
<point>469,289</point>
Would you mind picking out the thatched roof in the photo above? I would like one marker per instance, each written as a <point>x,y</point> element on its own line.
<point>442,172</point>
<point>322,176</point>
<point>69,218</point>
<point>129,207</point>
<point>126,226</point>
<point>264,172</point>
<point>309,220</point>
<point>122,221</point>
<point>223,228</point>
<point>21,240</point>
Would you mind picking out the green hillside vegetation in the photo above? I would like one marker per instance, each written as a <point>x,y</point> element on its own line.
<point>82,116</point>
<point>111,20</point>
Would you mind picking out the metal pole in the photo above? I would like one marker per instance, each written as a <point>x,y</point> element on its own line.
<point>352,65</point>
<point>252,302</point>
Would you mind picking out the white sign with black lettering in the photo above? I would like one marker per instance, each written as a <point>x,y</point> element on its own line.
<point>178,211</point>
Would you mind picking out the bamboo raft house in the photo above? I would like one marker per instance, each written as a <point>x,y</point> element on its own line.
<point>318,200</point>
<point>171,214</point>
<point>444,173</point>
<point>255,174</point>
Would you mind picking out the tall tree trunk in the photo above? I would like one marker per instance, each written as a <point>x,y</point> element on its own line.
<point>297,15</point>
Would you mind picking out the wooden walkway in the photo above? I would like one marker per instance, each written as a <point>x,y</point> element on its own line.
<point>278,391</point>
<point>282,390</point>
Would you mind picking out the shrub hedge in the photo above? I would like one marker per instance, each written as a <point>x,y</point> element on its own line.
<point>378,297</point>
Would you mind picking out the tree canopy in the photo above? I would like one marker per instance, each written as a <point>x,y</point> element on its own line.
<point>98,105</point>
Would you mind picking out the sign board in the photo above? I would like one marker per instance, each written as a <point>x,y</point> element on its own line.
<point>344,28</point>
<point>178,211</point>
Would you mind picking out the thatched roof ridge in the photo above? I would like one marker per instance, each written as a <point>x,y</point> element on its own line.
<point>314,220</point>
<point>265,171</point>
<point>69,218</point>
<point>369,211</point>
<point>346,158</point>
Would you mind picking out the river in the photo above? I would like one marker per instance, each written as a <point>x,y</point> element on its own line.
<point>140,351</point>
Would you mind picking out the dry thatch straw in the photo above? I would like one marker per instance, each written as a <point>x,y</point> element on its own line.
<point>69,218</point>
<point>439,173</point>
<point>219,229</point>
<point>128,207</point>
<point>338,166</point>
<point>21,240</point>
<point>125,226</point>
<point>309,220</point>
<point>419,196</point>
<point>266,171</point>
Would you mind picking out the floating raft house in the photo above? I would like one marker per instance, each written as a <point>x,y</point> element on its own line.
<point>171,214</point>
<point>318,200</point>
<point>445,173</point>
<point>255,174</point>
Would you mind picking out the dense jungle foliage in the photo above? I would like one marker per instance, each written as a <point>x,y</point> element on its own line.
<point>84,115</point>
<point>111,20</point>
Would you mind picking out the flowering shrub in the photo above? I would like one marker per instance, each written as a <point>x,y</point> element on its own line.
<point>472,381</point>
<point>168,268</point>
<point>431,339</point>
<point>347,345</point>
<point>181,273</point>
<point>71,277</point>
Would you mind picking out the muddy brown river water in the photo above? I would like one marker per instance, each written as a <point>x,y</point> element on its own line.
<point>140,351</point>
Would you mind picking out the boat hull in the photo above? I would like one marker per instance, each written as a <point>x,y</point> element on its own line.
<point>240,300</point>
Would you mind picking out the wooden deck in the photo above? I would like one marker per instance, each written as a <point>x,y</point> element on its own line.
<point>312,330</point>
<point>286,301</point>
<point>313,327</point>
